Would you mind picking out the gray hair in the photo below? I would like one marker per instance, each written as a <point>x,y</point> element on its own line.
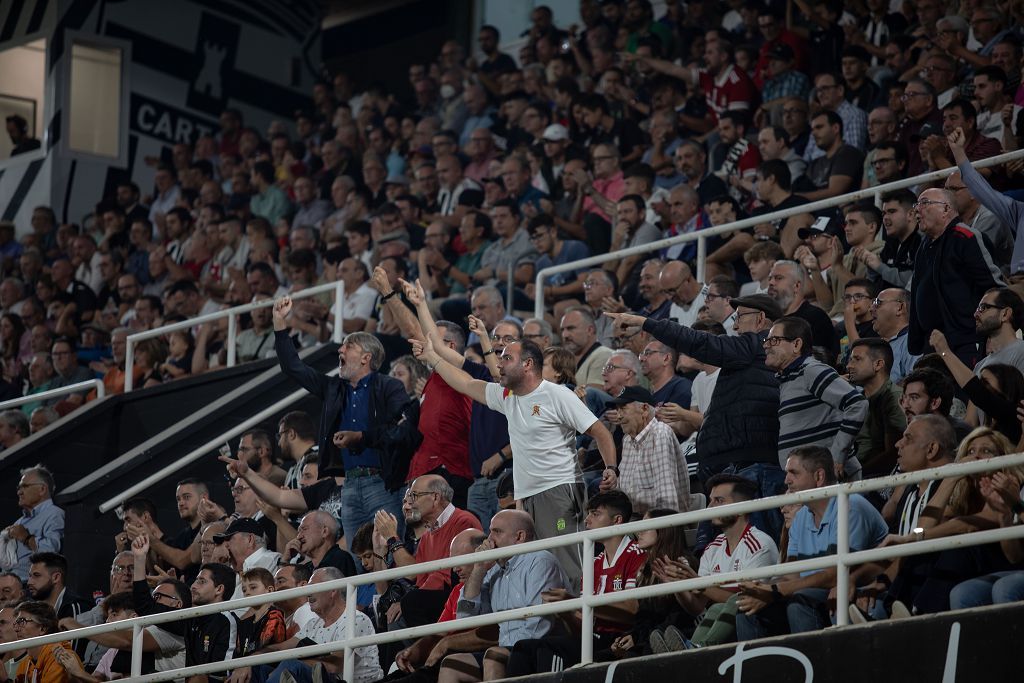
<point>544,325</point>
<point>16,420</point>
<point>441,488</point>
<point>48,412</point>
<point>369,344</point>
<point>940,429</point>
<point>41,471</point>
<point>491,293</point>
<point>629,359</point>
<point>796,270</point>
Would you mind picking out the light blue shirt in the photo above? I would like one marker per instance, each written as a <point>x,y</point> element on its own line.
<point>806,541</point>
<point>518,584</point>
<point>46,522</point>
<point>902,359</point>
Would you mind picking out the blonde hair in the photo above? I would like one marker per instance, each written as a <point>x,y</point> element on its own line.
<point>966,496</point>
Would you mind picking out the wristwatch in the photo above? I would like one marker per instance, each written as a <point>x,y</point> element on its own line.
<point>613,468</point>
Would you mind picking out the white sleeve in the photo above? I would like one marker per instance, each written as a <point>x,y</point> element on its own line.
<point>493,392</point>
<point>572,410</point>
<point>765,557</point>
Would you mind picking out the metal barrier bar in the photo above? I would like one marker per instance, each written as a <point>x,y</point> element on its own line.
<point>129,360</point>
<point>207,447</point>
<point>349,583</point>
<point>96,384</point>
<point>728,228</point>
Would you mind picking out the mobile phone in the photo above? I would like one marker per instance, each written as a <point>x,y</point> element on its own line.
<point>225,450</point>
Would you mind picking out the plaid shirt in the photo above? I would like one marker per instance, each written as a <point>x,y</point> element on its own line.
<point>653,469</point>
<point>791,83</point>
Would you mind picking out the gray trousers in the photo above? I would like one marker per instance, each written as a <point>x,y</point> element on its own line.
<point>557,512</point>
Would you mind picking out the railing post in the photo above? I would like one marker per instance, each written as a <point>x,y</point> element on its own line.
<point>101,388</point>
<point>510,289</point>
<point>232,334</point>
<point>702,256</point>
<point>129,361</point>
<point>587,636</point>
<point>842,550</point>
<point>137,633</point>
<point>538,297</point>
<point>350,632</point>
<point>339,294</point>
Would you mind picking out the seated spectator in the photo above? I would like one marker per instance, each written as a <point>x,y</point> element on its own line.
<point>247,548</point>
<point>260,625</point>
<point>41,527</point>
<point>329,625</point>
<point>296,610</point>
<point>42,662</point>
<point>47,581</point>
<point>658,364</point>
<point>316,543</point>
<point>518,581</point>
<point>208,638</point>
<point>579,335</point>
<point>616,568</point>
<point>431,495</point>
<point>759,259</point>
<point>13,428</point>
<point>797,603</point>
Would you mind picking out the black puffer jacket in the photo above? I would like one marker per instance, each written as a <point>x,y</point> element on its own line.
<point>742,422</point>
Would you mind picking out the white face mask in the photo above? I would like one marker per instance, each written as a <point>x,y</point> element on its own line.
<point>447,91</point>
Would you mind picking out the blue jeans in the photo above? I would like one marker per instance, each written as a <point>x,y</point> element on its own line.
<point>361,497</point>
<point>803,611</point>
<point>994,589</point>
<point>483,500</point>
<point>271,673</point>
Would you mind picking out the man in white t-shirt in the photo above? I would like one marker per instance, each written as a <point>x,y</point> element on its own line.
<point>329,626</point>
<point>543,421</point>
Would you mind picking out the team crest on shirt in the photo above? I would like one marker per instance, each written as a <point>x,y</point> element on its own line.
<point>536,410</point>
<point>617,583</point>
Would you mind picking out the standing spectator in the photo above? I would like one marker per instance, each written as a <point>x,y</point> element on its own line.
<point>653,467</point>
<point>893,266</point>
<point>953,270</point>
<point>817,406</point>
<point>839,169</point>
<point>997,235</point>
<point>869,368</point>
<point>787,284</point>
<point>543,420</point>
<point>658,363</point>
<point>369,405</point>
<point>922,118</point>
<point>41,527</point>
<point>579,335</point>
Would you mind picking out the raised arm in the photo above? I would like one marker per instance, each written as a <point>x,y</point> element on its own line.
<point>406,321</point>
<point>290,499</point>
<point>457,379</point>
<point>418,298</point>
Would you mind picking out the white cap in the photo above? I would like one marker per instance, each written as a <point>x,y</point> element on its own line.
<point>556,132</point>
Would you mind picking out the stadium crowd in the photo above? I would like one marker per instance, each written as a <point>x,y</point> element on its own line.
<point>854,341</point>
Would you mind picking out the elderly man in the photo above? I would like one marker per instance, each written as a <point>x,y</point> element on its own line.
<point>330,625</point>
<point>316,542</point>
<point>13,428</point>
<point>599,292</point>
<point>891,310</point>
<point>367,405</point>
<point>953,270</point>
<point>488,305</point>
<point>65,362</point>
<point>431,496</point>
<point>684,290</point>
<point>512,582</point>
<point>41,527</point>
<point>653,468</point>
<point>539,331</point>
<point>981,220</point>
<point>579,335</point>
<point>247,548</point>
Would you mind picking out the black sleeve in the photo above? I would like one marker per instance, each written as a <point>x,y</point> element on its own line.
<point>317,493</point>
<point>394,402</point>
<point>216,642</point>
<point>718,350</point>
<point>146,605</point>
<point>309,379</point>
<point>1003,412</point>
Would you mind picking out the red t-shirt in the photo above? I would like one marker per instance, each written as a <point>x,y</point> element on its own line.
<point>621,574</point>
<point>444,423</point>
<point>732,89</point>
<point>451,605</point>
<point>436,545</point>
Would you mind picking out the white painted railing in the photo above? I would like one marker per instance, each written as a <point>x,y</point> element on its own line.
<point>842,560</point>
<point>702,236</point>
<point>96,384</point>
<point>231,314</point>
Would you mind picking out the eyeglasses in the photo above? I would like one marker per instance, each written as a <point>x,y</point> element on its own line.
<point>879,302</point>
<point>925,202</point>
<point>21,621</point>
<point>740,315</point>
<point>30,483</point>
<point>711,297</point>
<point>415,495</point>
<point>157,595</point>
<point>772,342</point>
<point>121,569</point>
<point>611,366</point>
<point>907,95</point>
<point>650,352</point>
<point>504,338</point>
<point>239,490</point>
<point>982,307</point>
<point>590,284</point>
<point>855,297</point>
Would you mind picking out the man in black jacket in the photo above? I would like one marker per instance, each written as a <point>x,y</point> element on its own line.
<point>740,433</point>
<point>209,638</point>
<point>365,434</point>
<point>952,271</point>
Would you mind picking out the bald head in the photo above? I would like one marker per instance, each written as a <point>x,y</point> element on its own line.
<point>467,541</point>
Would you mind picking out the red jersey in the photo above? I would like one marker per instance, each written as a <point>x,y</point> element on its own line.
<point>732,89</point>
<point>451,605</point>
<point>619,573</point>
<point>444,423</point>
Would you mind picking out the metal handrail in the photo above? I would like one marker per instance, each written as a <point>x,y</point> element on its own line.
<point>209,446</point>
<point>842,560</point>
<point>701,236</point>
<point>96,384</point>
<point>337,287</point>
